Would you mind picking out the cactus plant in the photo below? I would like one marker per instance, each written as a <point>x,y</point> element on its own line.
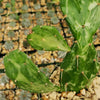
<point>24,95</point>
<point>12,24</point>
<point>26,23</point>
<point>37,6</point>
<point>80,65</point>
<point>25,15</point>
<point>26,32</point>
<point>14,16</point>
<point>3,80</point>
<point>2,95</point>
<point>40,21</point>
<point>82,16</point>
<point>38,15</point>
<point>54,20</point>
<point>11,34</point>
<point>51,13</point>
<point>9,45</point>
<point>83,19</point>
<point>1,10</point>
<point>24,7</point>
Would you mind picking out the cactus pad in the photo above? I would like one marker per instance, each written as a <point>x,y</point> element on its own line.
<point>47,38</point>
<point>25,74</point>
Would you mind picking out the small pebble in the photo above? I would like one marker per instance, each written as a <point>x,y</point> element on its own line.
<point>70,95</point>
<point>83,92</point>
<point>52,96</point>
<point>76,98</point>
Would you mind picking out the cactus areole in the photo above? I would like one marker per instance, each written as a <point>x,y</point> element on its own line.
<point>79,66</point>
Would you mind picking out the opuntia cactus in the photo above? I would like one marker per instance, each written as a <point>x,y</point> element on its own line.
<point>25,74</point>
<point>80,65</point>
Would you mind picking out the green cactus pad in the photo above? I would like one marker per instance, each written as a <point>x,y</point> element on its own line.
<point>47,38</point>
<point>82,15</point>
<point>25,74</point>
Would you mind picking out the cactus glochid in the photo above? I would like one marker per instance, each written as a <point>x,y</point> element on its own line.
<point>79,66</point>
